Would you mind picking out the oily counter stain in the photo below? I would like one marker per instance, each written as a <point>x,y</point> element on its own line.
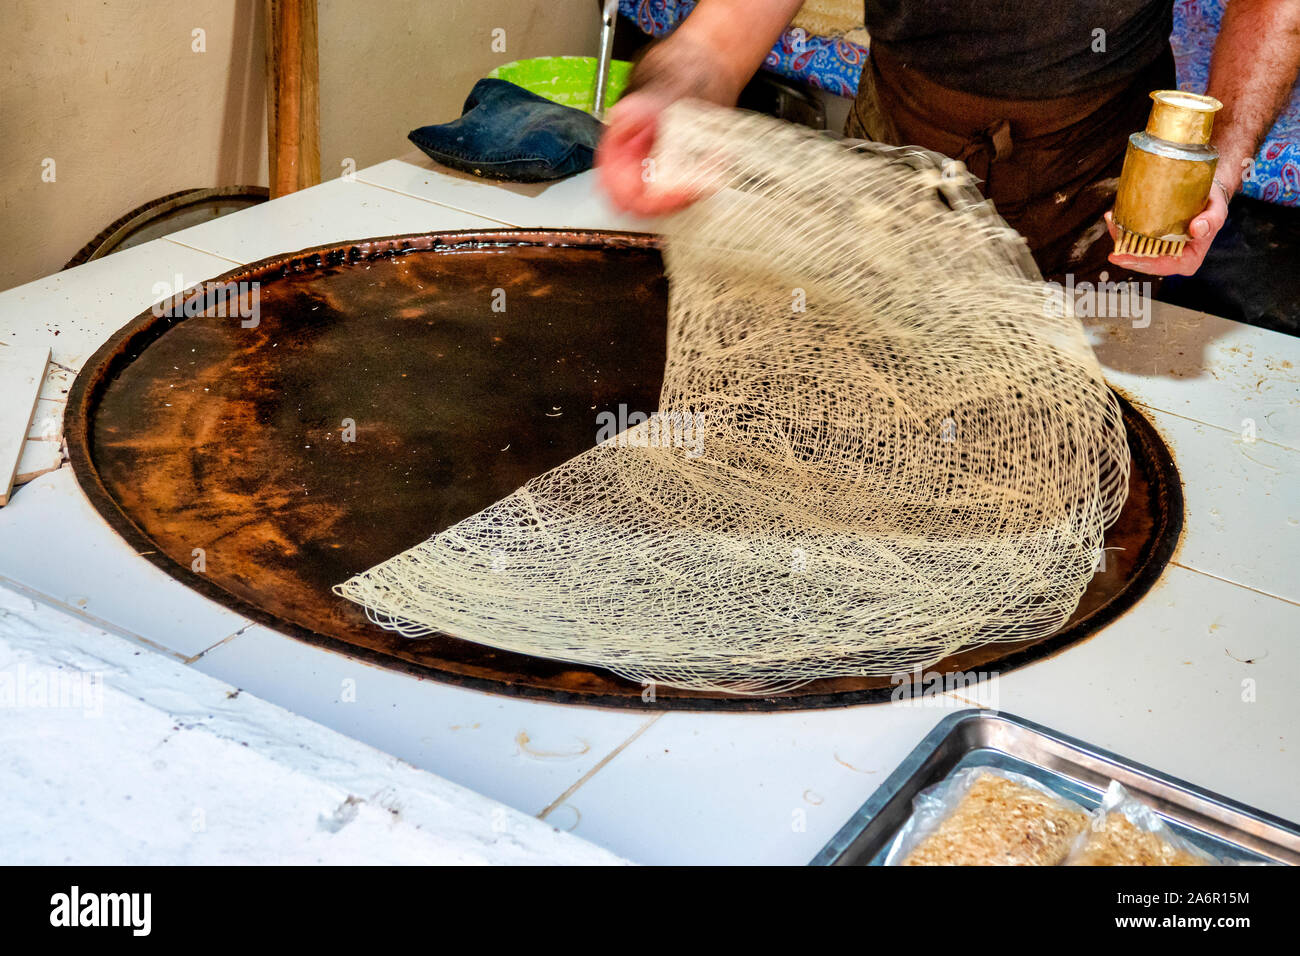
<point>198,433</point>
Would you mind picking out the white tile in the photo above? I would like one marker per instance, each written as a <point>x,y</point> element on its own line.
<point>149,747</point>
<point>1207,368</point>
<point>38,457</point>
<point>742,788</point>
<point>59,378</point>
<point>573,203</point>
<point>53,543</point>
<point>334,211</point>
<point>76,311</point>
<point>1164,686</point>
<point>47,420</point>
<point>43,450</point>
<point>22,370</point>
<point>523,753</point>
<point>1241,505</point>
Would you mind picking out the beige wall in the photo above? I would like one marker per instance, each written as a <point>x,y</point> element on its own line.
<point>114,94</point>
<point>389,67</point>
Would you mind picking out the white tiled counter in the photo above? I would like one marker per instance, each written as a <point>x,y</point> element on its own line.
<point>114,755</point>
<point>1198,679</point>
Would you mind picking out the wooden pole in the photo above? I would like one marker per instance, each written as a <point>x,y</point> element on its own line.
<point>293,95</point>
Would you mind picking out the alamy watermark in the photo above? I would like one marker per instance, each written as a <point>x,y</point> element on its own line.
<point>241,300</point>
<point>1102,300</point>
<point>133,911</point>
<point>921,688</point>
<point>627,429</point>
<point>52,688</point>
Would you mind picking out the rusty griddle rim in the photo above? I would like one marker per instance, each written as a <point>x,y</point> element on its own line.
<point>124,346</point>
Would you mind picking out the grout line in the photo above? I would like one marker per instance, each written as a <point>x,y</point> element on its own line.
<point>1222,428</point>
<point>225,640</point>
<point>1245,587</point>
<point>444,205</point>
<point>206,252</point>
<point>35,595</point>
<point>603,761</point>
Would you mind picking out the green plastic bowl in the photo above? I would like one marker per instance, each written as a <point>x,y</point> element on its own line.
<point>567,80</point>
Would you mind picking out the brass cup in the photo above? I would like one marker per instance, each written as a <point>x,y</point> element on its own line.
<point>1179,117</point>
<point>1168,171</point>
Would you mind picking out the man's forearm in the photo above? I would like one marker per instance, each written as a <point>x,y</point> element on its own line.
<point>716,49</point>
<point>1256,60</point>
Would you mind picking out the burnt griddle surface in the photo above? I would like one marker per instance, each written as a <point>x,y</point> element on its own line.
<point>198,436</point>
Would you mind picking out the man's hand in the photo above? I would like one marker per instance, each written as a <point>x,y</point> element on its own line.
<point>1203,229</point>
<point>623,162</point>
<point>710,56</point>
<point>1256,61</point>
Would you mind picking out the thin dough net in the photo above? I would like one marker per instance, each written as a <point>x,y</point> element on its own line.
<point>878,442</point>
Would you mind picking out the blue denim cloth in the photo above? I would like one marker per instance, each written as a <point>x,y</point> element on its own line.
<point>505,132</point>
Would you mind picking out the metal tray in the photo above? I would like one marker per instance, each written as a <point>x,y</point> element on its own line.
<point>1072,768</point>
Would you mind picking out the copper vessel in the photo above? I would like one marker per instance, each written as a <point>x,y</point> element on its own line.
<point>1168,171</point>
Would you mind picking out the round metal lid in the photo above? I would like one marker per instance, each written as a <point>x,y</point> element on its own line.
<point>225,434</point>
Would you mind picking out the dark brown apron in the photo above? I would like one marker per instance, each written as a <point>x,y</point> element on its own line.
<point>1050,166</point>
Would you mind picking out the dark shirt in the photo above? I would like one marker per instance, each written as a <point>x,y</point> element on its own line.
<point>1022,49</point>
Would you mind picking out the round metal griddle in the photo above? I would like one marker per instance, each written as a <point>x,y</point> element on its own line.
<point>201,433</point>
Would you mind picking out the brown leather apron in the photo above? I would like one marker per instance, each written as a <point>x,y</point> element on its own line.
<point>1050,166</point>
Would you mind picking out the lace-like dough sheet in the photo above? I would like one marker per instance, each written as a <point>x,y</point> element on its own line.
<point>877,443</point>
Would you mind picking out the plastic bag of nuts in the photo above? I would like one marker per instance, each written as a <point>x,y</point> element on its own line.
<point>1123,831</point>
<point>982,816</point>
